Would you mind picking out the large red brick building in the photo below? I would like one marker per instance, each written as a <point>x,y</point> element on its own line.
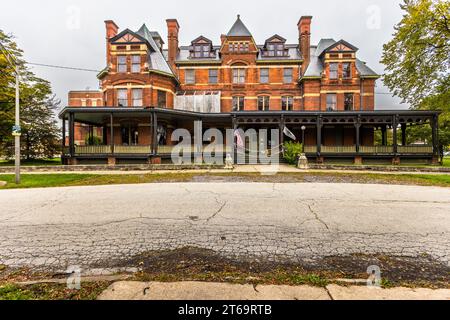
<point>147,91</point>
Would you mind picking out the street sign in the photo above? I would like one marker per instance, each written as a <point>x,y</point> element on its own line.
<point>16,131</point>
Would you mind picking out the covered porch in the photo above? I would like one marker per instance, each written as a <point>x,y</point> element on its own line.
<point>114,135</point>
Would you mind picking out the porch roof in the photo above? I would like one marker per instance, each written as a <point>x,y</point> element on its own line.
<point>99,115</point>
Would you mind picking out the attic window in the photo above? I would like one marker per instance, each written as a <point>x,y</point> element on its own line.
<point>275,50</point>
<point>239,47</point>
<point>201,51</point>
<point>135,47</point>
<point>121,47</point>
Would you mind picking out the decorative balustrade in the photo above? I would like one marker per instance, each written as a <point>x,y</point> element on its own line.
<point>82,150</point>
<point>338,149</point>
<point>415,149</point>
<point>132,149</point>
<point>310,149</point>
<point>376,149</point>
<point>167,150</point>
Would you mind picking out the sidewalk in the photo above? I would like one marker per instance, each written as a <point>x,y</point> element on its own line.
<point>260,169</point>
<point>222,291</point>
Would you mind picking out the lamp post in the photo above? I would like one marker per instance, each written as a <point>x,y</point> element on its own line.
<point>16,132</point>
<point>303,139</point>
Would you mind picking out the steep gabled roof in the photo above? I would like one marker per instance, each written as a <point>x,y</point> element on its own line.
<point>315,67</point>
<point>132,33</point>
<point>239,29</point>
<point>340,45</point>
<point>201,38</point>
<point>156,59</point>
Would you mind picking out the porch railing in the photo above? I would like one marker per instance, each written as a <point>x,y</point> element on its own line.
<point>376,149</point>
<point>310,149</point>
<point>82,150</point>
<point>339,149</point>
<point>415,149</point>
<point>132,149</point>
<point>166,150</point>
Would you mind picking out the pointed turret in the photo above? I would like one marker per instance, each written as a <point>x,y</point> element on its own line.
<point>239,29</point>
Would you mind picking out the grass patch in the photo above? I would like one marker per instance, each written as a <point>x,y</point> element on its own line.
<point>447,162</point>
<point>88,291</point>
<point>64,180</point>
<point>43,162</point>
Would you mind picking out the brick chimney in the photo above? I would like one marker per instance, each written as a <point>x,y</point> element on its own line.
<point>304,30</point>
<point>173,29</point>
<point>223,37</point>
<point>111,31</point>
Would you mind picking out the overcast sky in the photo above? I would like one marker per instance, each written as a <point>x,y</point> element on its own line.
<point>72,33</point>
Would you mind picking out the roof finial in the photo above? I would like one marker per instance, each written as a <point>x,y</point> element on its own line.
<point>239,16</point>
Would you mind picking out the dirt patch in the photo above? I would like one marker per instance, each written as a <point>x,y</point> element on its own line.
<point>206,265</point>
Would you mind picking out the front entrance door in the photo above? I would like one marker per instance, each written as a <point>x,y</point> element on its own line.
<point>130,135</point>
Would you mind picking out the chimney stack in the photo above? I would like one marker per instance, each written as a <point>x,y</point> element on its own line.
<point>111,31</point>
<point>223,37</point>
<point>173,28</point>
<point>304,30</point>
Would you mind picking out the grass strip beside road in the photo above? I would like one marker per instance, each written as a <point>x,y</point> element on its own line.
<point>65,180</point>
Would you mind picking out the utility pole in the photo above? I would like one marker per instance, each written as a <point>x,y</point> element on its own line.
<point>16,132</point>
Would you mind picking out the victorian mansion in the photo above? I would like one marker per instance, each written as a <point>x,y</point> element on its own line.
<point>323,93</point>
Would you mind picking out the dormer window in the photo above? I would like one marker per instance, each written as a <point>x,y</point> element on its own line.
<point>275,50</point>
<point>275,47</point>
<point>202,51</point>
<point>202,48</point>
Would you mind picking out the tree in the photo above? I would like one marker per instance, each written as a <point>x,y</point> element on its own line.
<point>417,60</point>
<point>40,132</point>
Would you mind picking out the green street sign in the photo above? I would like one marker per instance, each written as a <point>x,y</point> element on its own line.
<point>16,131</point>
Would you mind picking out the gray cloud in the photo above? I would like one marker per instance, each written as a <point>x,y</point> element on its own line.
<point>71,33</point>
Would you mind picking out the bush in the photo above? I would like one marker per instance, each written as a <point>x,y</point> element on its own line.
<point>292,150</point>
<point>93,141</point>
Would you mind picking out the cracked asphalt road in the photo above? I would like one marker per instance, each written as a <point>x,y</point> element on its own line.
<point>50,229</point>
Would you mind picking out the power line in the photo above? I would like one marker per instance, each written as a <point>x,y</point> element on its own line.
<point>62,67</point>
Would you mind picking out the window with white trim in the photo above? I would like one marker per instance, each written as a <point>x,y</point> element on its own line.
<point>136,64</point>
<point>287,103</point>
<point>331,102</point>
<point>122,64</point>
<point>137,98</point>
<point>263,103</point>
<point>239,76</point>
<point>122,97</point>
<point>189,75</point>
<point>238,103</point>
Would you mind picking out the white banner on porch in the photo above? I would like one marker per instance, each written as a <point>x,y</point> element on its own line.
<point>204,102</point>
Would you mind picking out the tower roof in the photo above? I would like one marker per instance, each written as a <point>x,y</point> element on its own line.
<point>239,29</point>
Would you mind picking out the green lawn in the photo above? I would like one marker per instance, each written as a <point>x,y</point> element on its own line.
<point>63,180</point>
<point>447,162</point>
<point>43,162</point>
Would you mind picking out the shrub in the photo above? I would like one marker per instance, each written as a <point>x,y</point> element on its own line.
<point>292,150</point>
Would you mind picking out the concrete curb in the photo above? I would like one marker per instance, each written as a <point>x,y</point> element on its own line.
<point>128,290</point>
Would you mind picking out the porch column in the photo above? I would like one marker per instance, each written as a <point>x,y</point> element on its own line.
<point>63,142</point>
<point>282,125</point>
<point>71,134</point>
<point>235,151</point>
<point>111,139</point>
<point>384,135</point>
<point>435,134</point>
<point>155,134</point>
<point>358,134</point>
<point>319,136</point>
<point>395,136</point>
<point>403,134</point>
